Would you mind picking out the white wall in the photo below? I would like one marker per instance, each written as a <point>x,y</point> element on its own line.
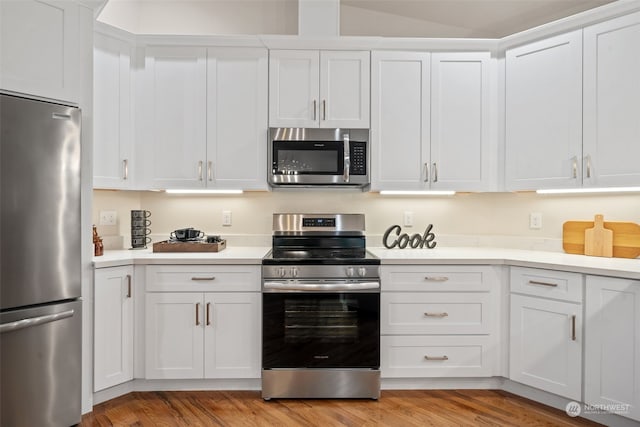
<point>476,219</point>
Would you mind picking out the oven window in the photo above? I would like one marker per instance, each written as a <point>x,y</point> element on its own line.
<point>320,330</point>
<point>325,321</point>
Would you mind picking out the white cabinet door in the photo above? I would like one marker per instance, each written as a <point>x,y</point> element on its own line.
<point>112,131</point>
<point>612,102</point>
<point>544,114</point>
<point>174,335</point>
<point>546,345</point>
<point>232,335</point>
<point>400,120</point>
<point>237,118</point>
<point>294,88</point>
<point>39,48</point>
<point>460,101</point>
<point>612,344</point>
<point>113,327</point>
<point>174,106</point>
<point>344,89</point>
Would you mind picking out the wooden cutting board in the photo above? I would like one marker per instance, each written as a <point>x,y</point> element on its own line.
<point>598,241</point>
<point>626,237</point>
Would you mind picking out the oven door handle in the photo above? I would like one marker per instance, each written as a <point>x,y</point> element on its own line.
<point>314,287</point>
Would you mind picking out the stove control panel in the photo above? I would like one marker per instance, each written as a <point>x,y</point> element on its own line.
<point>314,272</point>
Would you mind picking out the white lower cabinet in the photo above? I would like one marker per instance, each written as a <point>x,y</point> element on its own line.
<point>439,321</point>
<point>196,334</point>
<point>612,345</point>
<point>113,326</point>
<point>546,334</point>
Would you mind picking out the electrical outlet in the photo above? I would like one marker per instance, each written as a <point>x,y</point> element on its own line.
<point>108,217</point>
<point>408,219</point>
<point>226,218</point>
<point>535,220</point>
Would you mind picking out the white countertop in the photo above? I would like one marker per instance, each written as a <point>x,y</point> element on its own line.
<point>234,255</point>
<point>619,267</point>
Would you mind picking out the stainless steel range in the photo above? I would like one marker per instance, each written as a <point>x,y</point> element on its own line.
<point>321,309</point>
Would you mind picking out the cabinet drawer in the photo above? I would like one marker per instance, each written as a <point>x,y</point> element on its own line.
<point>425,278</point>
<point>202,278</point>
<point>547,283</point>
<point>436,356</point>
<point>435,313</point>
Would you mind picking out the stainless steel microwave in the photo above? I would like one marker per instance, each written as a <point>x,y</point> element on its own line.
<point>318,157</point>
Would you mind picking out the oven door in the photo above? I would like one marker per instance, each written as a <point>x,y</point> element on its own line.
<point>321,330</point>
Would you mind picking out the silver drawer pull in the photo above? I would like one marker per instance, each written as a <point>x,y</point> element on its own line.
<point>436,314</point>
<point>535,282</point>
<point>436,278</point>
<point>203,278</point>
<point>427,357</point>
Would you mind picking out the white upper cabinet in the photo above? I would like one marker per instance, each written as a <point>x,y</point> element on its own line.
<point>400,117</point>
<point>612,103</point>
<point>430,121</point>
<point>174,124</point>
<point>460,121</point>
<point>544,114</point>
<point>237,118</point>
<point>204,118</point>
<point>112,125</point>
<point>39,48</point>
<point>310,88</point>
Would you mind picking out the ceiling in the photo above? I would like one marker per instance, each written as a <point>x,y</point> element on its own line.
<point>468,18</point>
<point>389,18</point>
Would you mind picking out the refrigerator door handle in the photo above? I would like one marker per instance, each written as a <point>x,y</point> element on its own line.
<point>34,321</point>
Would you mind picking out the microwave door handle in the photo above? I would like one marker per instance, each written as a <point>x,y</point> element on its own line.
<point>347,158</point>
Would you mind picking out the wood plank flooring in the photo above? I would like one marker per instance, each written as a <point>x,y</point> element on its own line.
<point>422,408</point>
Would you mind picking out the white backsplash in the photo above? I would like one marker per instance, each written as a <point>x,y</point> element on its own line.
<point>475,220</point>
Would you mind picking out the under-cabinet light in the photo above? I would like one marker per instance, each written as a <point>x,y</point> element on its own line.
<point>417,193</point>
<point>214,192</point>
<point>589,190</point>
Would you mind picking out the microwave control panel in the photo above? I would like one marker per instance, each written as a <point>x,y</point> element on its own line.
<point>358,158</point>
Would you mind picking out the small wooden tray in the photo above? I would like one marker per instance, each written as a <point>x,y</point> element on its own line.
<point>173,246</point>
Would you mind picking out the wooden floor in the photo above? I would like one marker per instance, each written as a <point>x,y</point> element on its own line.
<point>395,408</point>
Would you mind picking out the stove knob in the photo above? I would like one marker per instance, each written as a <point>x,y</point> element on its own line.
<point>349,271</point>
<point>362,271</point>
<point>282,272</point>
<point>294,272</point>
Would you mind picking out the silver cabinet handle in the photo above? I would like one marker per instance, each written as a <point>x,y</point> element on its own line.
<point>426,172</point>
<point>125,169</point>
<point>575,168</point>
<point>34,321</point>
<point>203,279</point>
<point>128,286</point>
<point>210,170</point>
<point>588,166</point>
<point>197,314</point>
<point>535,282</point>
<point>436,278</point>
<point>573,327</point>
<point>208,322</point>
<point>435,172</point>
<point>324,109</point>
<point>315,106</point>
<point>200,170</point>
<point>444,314</point>
<point>427,357</point>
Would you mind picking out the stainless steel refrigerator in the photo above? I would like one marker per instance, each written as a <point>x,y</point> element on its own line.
<point>40,280</point>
